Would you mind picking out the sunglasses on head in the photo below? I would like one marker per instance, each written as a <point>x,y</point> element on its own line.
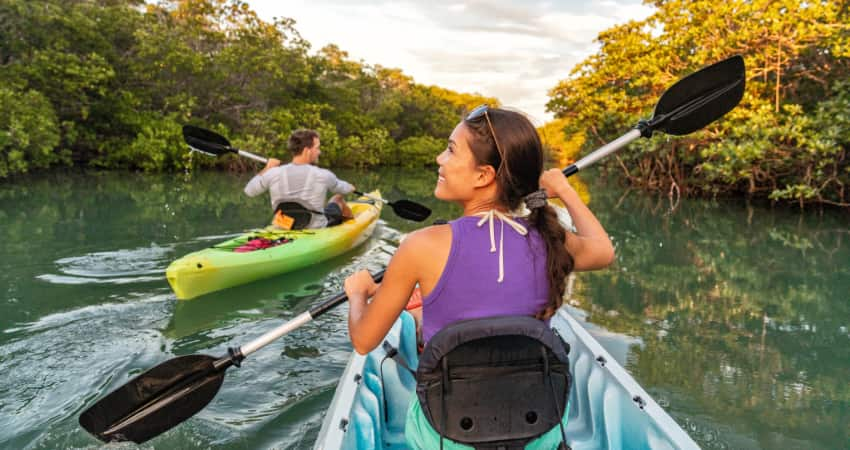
<point>476,114</point>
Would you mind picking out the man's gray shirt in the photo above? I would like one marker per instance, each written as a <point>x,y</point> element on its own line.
<point>302,183</point>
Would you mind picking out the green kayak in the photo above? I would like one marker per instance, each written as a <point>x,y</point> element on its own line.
<point>227,264</point>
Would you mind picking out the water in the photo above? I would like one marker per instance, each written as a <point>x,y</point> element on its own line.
<point>735,318</point>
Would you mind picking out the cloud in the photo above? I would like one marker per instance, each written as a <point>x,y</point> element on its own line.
<point>576,23</point>
<point>513,50</point>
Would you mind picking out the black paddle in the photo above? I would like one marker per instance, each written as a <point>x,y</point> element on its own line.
<point>166,395</point>
<point>692,103</point>
<point>211,143</point>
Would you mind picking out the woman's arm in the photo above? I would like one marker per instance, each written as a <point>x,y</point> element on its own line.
<point>369,322</point>
<point>590,245</point>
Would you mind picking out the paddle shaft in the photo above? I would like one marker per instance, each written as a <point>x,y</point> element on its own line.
<point>363,194</point>
<point>299,320</point>
<point>250,155</point>
<point>603,151</point>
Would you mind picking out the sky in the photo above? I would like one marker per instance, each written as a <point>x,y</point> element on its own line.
<point>515,50</point>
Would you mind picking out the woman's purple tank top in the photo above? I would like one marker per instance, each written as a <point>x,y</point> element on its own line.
<point>468,287</point>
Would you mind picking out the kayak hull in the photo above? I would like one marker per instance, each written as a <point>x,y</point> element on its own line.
<point>608,409</point>
<point>219,267</point>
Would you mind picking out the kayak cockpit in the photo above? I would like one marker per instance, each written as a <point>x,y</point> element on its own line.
<point>607,408</point>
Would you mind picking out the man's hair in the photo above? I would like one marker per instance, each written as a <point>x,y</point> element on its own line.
<point>301,139</point>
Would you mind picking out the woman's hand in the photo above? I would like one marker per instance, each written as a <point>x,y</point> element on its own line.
<point>589,245</point>
<point>360,286</point>
<point>555,183</point>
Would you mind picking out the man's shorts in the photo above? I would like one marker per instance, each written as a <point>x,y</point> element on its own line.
<point>333,213</point>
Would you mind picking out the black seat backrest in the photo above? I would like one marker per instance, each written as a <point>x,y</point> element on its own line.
<point>494,383</point>
<point>301,215</point>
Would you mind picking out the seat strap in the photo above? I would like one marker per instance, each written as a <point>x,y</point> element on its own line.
<point>391,353</point>
<point>284,178</point>
<point>443,413</point>
<point>558,409</point>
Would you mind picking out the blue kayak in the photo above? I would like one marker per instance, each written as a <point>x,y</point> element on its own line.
<point>608,409</point>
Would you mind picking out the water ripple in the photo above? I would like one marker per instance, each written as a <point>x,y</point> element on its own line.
<point>64,361</point>
<point>113,267</point>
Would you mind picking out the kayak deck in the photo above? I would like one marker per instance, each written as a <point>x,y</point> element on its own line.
<point>608,409</point>
<point>220,267</point>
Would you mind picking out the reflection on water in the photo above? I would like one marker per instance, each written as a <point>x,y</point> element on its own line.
<point>742,312</point>
<point>734,317</point>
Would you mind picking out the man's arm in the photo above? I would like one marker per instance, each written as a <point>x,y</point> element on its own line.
<point>260,183</point>
<point>336,185</point>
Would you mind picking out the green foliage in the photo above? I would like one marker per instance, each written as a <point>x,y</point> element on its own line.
<point>785,141</point>
<point>28,132</point>
<point>369,150</point>
<point>156,147</point>
<point>793,155</point>
<point>561,147</point>
<point>419,151</point>
<point>122,76</point>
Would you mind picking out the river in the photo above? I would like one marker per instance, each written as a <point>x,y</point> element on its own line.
<point>733,316</point>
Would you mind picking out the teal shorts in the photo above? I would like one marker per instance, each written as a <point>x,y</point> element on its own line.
<point>421,435</point>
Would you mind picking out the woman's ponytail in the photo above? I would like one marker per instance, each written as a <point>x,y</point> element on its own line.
<point>559,263</point>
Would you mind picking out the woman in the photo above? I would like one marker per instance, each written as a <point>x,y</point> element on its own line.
<point>474,267</point>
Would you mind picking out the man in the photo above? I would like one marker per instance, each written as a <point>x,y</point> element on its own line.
<point>303,183</point>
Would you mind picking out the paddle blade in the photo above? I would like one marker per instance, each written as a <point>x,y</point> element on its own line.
<point>700,98</point>
<point>156,400</point>
<point>206,141</point>
<point>410,210</point>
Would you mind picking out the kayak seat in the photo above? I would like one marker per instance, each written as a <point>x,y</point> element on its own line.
<point>301,214</point>
<point>494,383</point>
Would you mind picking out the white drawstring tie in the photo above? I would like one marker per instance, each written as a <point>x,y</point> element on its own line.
<point>503,218</point>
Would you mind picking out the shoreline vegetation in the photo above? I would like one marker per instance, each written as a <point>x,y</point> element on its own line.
<point>108,84</point>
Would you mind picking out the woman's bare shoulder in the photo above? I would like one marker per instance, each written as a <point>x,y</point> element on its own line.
<point>425,253</point>
<point>429,236</point>
<point>427,241</point>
